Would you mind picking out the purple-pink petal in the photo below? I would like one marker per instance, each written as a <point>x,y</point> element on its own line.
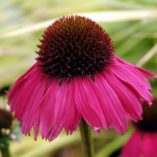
<point>141,144</point>
<point>133,148</point>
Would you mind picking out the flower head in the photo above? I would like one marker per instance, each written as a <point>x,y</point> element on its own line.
<point>143,142</point>
<point>78,76</point>
<point>74,46</point>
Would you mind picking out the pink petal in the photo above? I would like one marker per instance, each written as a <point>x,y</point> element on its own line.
<point>71,115</point>
<point>58,111</point>
<point>146,73</point>
<point>133,148</point>
<point>149,145</point>
<point>128,75</point>
<point>21,92</point>
<point>27,97</point>
<point>127,97</point>
<point>111,104</point>
<point>86,104</point>
<point>20,82</point>
<point>45,115</point>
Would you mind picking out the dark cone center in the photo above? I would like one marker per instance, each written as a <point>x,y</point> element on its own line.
<point>149,122</point>
<point>74,46</point>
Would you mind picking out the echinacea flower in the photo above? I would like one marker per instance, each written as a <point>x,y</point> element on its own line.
<point>77,76</point>
<point>143,142</point>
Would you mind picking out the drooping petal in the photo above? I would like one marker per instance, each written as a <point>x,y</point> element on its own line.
<point>33,103</point>
<point>26,96</point>
<point>130,78</point>
<point>85,105</point>
<point>129,100</point>
<point>58,111</point>
<point>111,105</point>
<point>45,115</point>
<point>21,80</point>
<point>142,74</point>
<point>18,95</point>
<point>71,115</point>
<point>62,110</point>
<point>145,73</point>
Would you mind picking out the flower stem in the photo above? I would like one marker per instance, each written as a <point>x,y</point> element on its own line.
<point>87,142</point>
<point>5,152</point>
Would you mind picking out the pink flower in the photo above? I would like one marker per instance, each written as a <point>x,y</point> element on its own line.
<point>78,76</point>
<point>143,142</point>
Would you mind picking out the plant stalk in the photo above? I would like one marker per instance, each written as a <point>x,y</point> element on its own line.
<point>87,141</point>
<point>5,152</point>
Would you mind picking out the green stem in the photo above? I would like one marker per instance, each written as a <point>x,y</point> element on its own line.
<point>5,152</point>
<point>87,142</point>
<point>114,145</point>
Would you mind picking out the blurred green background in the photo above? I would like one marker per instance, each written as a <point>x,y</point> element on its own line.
<point>134,35</point>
